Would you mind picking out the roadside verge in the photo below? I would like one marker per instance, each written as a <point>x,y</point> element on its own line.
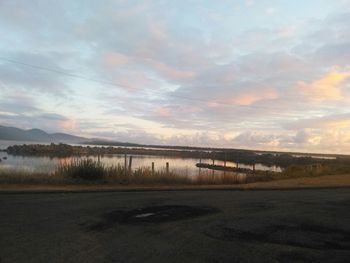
<point>327,181</point>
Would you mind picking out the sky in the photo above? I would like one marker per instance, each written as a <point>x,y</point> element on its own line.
<point>268,75</point>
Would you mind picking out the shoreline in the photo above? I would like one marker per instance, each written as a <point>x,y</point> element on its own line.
<point>246,157</point>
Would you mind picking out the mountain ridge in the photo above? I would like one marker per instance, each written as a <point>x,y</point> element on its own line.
<point>38,135</point>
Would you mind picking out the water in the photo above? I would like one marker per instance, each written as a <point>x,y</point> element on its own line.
<point>185,166</point>
<point>315,156</point>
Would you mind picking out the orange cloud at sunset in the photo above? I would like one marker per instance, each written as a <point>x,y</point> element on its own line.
<point>340,124</point>
<point>177,73</point>
<point>326,88</point>
<point>172,72</point>
<point>250,97</point>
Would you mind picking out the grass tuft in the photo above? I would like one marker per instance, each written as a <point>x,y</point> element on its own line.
<point>81,171</point>
<point>85,169</point>
<point>22,177</point>
<point>296,171</point>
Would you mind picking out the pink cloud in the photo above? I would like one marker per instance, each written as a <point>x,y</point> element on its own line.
<point>133,82</point>
<point>68,125</point>
<point>171,71</point>
<point>164,112</point>
<point>246,98</point>
<point>213,104</point>
<point>112,59</point>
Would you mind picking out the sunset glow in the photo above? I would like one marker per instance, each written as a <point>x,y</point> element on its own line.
<point>269,75</point>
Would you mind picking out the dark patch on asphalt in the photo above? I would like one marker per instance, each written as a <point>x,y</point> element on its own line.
<point>310,236</point>
<point>295,256</point>
<point>257,206</point>
<point>339,203</point>
<point>151,215</point>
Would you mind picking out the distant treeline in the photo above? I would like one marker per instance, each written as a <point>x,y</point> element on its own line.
<point>282,159</point>
<point>241,156</point>
<point>69,150</point>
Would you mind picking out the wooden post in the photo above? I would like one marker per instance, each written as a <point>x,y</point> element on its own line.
<point>130,163</point>
<point>125,164</point>
<point>225,159</point>
<point>213,166</point>
<point>237,160</point>
<point>152,168</point>
<point>167,168</point>
<point>98,155</point>
<point>200,161</point>
<point>225,163</point>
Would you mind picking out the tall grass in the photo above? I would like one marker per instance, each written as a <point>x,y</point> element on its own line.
<point>296,171</point>
<point>85,169</point>
<point>145,176</point>
<point>22,177</point>
<point>89,171</point>
<point>80,171</point>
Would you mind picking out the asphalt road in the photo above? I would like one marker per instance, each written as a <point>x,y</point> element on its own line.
<point>177,226</point>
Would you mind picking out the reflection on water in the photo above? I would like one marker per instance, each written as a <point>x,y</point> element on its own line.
<point>315,156</point>
<point>178,165</point>
<point>186,166</point>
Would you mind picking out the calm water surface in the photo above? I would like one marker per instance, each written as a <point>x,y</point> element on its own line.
<point>185,166</point>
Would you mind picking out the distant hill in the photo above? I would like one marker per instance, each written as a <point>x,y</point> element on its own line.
<point>16,134</point>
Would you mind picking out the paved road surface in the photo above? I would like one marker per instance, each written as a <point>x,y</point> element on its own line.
<point>177,226</point>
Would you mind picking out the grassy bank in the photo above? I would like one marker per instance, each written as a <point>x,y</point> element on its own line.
<point>326,181</point>
<point>87,171</point>
<point>20,177</point>
<point>246,157</point>
<point>315,170</point>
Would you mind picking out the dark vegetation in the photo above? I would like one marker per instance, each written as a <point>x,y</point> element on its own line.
<point>90,170</point>
<point>316,169</point>
<point>81,171</point>
<point>283,160</point>
<point>85,169</point>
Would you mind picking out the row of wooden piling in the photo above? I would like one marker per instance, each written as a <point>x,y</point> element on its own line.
<point>225,161</point>
<point>128,165</point>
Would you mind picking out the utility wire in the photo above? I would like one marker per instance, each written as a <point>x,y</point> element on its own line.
<point>65,73</point>
<point>59,72</point>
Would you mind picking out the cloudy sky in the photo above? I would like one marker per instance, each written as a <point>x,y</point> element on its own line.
<point>256,74</point>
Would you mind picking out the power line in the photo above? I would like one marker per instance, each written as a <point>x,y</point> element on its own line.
<point>65,73</point>
<point>60,72</point>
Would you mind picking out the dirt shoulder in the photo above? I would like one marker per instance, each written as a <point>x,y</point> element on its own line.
<point>328,181</point>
